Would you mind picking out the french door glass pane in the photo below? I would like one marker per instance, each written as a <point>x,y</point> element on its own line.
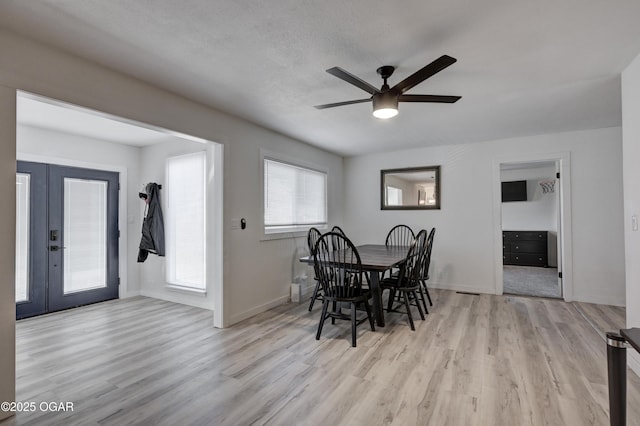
<point>23,181</point>
<point>85,234</point>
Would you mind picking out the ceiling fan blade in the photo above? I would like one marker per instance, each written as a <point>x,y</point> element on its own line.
<point>422,74</point>
<point>429,98</point>
<point>337,104</point>
<point>352,79</point>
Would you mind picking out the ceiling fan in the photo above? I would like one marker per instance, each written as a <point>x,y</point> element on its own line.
<point>385,100</point>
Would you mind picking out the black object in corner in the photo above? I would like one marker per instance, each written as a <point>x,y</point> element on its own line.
<point>514,191</point>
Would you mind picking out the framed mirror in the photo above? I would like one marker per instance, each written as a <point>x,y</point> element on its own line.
<point>415,188</point>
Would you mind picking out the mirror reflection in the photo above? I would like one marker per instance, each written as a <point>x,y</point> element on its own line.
<point>410,188</point>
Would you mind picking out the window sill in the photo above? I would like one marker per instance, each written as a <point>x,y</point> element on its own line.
<point>186,290</point>
<point>266,236</point>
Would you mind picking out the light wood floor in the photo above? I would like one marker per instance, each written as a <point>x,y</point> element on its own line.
<point>476,360</point>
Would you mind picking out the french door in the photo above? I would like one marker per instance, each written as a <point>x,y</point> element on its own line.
<point>66,237</point>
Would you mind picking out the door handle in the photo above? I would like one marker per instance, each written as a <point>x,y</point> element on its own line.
<point>56,248</point>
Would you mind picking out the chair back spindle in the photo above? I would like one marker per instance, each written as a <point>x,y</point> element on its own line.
<point>312,238</point>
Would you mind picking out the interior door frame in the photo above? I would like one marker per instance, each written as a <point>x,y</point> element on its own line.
<point>565,250</point>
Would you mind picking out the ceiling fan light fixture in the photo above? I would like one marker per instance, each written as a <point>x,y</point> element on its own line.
<point>385,100</point>
<point>385,105</point>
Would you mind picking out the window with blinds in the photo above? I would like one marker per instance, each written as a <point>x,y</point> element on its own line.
<point>295,197</point>
<point>185,221</point>
<point>394,196</point>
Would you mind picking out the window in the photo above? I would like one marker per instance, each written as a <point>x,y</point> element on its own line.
<point>23,215</point>
<point>394,196</point>
<point>295,197</point>
<point>185,225</point>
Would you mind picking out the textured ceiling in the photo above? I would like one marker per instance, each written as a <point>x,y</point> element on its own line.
<point>524,67</point>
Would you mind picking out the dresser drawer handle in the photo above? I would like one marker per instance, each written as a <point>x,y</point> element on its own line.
<point>517,247</point>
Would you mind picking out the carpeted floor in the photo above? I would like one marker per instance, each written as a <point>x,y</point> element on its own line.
<point>531,281</point>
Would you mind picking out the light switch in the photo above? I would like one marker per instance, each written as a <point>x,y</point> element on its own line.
<point>235,223</point>
<point>634,222</point>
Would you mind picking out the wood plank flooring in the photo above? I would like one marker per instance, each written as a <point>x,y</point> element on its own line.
<point>475,360</point>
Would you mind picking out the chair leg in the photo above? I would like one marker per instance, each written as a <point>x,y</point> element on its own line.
<point>368,309</point>
<point>415,296</point>
<point>334,307</point>
<point>353,324</point>
<point>392,295</point>
<point>426,289</point>
<point>315,295</point>
<point>325,305</point>
<point>424,300</point>
<point>408,306</point>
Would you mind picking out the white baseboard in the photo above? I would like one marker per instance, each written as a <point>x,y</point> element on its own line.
<point>601,299</point>
<point>162,296</point>
<point>257,310</point>
<point>462,288</point>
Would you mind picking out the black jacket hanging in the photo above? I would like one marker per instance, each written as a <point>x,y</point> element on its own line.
<point>153,225</point>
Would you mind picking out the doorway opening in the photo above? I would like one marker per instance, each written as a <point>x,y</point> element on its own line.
<point>69,137</point>
<point>530,224</point>
<point>531,212</point>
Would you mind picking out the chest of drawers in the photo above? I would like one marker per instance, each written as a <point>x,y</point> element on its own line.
<point>527,248</point>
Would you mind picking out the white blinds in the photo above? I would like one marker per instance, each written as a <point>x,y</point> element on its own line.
<point>85,234</point>
<point>22,236</point>
<point>185,225</point>
<point>293,196</point>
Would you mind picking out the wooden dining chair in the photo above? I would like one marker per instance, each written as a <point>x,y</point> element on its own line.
<point>339,270</point>
<point>423,276</point>
<point>407,283</point>
<point>426,263</point>
<point>312,238</point>
<point>338,230</point>
<point>400,235</point>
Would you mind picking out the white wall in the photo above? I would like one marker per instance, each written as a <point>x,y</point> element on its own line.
<point>631,150</point>
<point>464,252</point>
<point>7,245</point>
<point>539,212</point>
<point>49,146</point>
<point>257,273</point>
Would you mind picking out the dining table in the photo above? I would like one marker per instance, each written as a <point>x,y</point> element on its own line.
<point>376,259</point>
